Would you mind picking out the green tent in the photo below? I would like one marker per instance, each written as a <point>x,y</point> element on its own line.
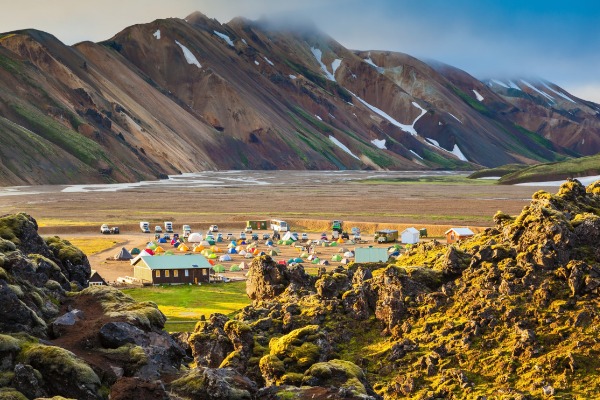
<point>315,260</point>
<point>272,253</point>
<point>218,268</point>
<point>135,251</point>
<point>234,268</point>
<point>336,257</point>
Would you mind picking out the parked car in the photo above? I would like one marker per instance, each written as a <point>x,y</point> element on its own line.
<point>305,236</point>
<point>214,228</point>
<point>266,236</point>
<point>254,236</point>
<point>219,237</point>
<point>345,235</point>
<point>230,236</point>
<point>242,235</point>
<point>248,229</point>
<point>115,230</point>
<point>167,236</point>
<point>104,229</point>
<point>157,229</point>
<point>323,236</point>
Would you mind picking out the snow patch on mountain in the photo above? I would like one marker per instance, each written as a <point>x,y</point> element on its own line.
<point>224,37</point>
<point>292,77</point>
<point>406,128</point>
<point>157,34</point>
<point>497,82</point>
<point>189,56</point>
<point>455,150</point>
<point>380,143</point>
<point>454,116</point>
<point>416,154</point>
<point>336,64</point>
<point>319,118</point>
<point>256,62</point>
<point>564,96</point>
<point>342,146</point>
<point>546,95</point>
<point>318,54</point>
<point>477,95</point>
<point>269,61</point>
<point>370,62</point>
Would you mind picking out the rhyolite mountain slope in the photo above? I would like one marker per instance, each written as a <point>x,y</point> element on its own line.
<point>179,95</point>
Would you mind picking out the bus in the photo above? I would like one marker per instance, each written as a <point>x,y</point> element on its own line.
<point>278,225</point>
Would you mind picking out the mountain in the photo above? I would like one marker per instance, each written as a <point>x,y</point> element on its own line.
<point>183,95</point>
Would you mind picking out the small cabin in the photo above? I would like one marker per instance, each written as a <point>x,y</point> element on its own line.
<point>172,269</point>
<point>410,236</point>
<point>96,279</point>
<point>454,235</point>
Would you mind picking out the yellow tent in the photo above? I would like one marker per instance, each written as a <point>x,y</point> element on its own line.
<point>340,241</point>
<point>159,250</point>
<point>183,247</point>
<point>198,249</point>
<point>216,249</point>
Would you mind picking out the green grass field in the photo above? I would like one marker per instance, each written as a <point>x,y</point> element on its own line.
<point>184,305</point>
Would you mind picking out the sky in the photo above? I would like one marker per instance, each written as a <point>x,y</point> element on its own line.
<point>558,41</point>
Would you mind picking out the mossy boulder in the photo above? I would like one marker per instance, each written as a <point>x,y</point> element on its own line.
<point>332,285</point>
<point>210,343</point>
<point>75,263</point>
<point>294,353</point>
<point>340,374</point>
<point>117,304</point>
<point>268,279</point>
<point>63,372</point>
<point>7,393</point>
<point>214,383</point>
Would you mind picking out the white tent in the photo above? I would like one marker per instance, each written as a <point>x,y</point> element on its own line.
<point>244,265</point>
<point>349,254</point>
<point>225,257</point>
<point>289,236</point>
<point>195,237</point>
<point>205,243</point>
<point>410,235</point>
<point>249,255</point>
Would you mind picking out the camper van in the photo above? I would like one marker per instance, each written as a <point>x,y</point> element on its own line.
<point>186,230</point>
<point>168,227</point>
<point>278,225</point>
<point>145,227</point>
<point>104,229</point>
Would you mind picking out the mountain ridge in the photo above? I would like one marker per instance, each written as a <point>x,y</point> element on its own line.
<point>182,95</point>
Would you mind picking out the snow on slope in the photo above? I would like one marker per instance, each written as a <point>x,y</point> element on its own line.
<point>342,146</point>
<point>380,143</point>
<point>189,56</point>
<point>156,34</point>
<point>370,62</point>
<point>455,150</point>
<point>454,116</point>
<point>269,61</point>
<point>336,64</point>
<point>416,154</point>
<point>406,128</point>
<point>546,95</point>
<point>318,54</point>
<point>225,38</point>
<point>564,96</point>
<point>497,82</point>
<point>477,95</point>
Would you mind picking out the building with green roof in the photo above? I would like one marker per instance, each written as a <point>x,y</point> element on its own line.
<point>172,269</point>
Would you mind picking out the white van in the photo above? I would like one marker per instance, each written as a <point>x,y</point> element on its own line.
<point>168,227</point>
<point>145,227</point>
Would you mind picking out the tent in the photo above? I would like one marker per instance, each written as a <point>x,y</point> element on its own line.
<point>342,250</point>
<point>334,244</point>
<point>216,249</point>
<point>232,251</point>
<point>148,251</point>
<point>324,262</point>
<point>304,255</point>
<point>298,260</point>
<point>262,253</point>
<point>315,260</point>
<point>218,268</point>
<point>205,243</point>
<point>206,252</point>
<point>336,257</point>
<point>195,238</point>
<point>159,250</point>
<point>151,245</point>
<point>311,257</point>
<point>340,240</point>
<point>349,241</point>
<point>349,254</point>
<point>272,253</point>
<point>410,235</point>
<point>123,255</point>
<point>135,251</point>
<point>244,265</point>
<point>212,256</point>
<point>345,261</point>
<point>162,240</point>
<point>269,243</point>
<point>242,252</point>
<point>198,249</point>
<point>289,236</point>
<point>226,257</point>
<point>169,253</point>
<point>231,245</point>
<point>281,262</point>
<point>183,247</point>
<point>249,255</point>
<point>235,268</point>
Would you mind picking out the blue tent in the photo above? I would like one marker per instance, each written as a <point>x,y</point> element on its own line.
<point>232,251</point>
<point>162,240</point>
